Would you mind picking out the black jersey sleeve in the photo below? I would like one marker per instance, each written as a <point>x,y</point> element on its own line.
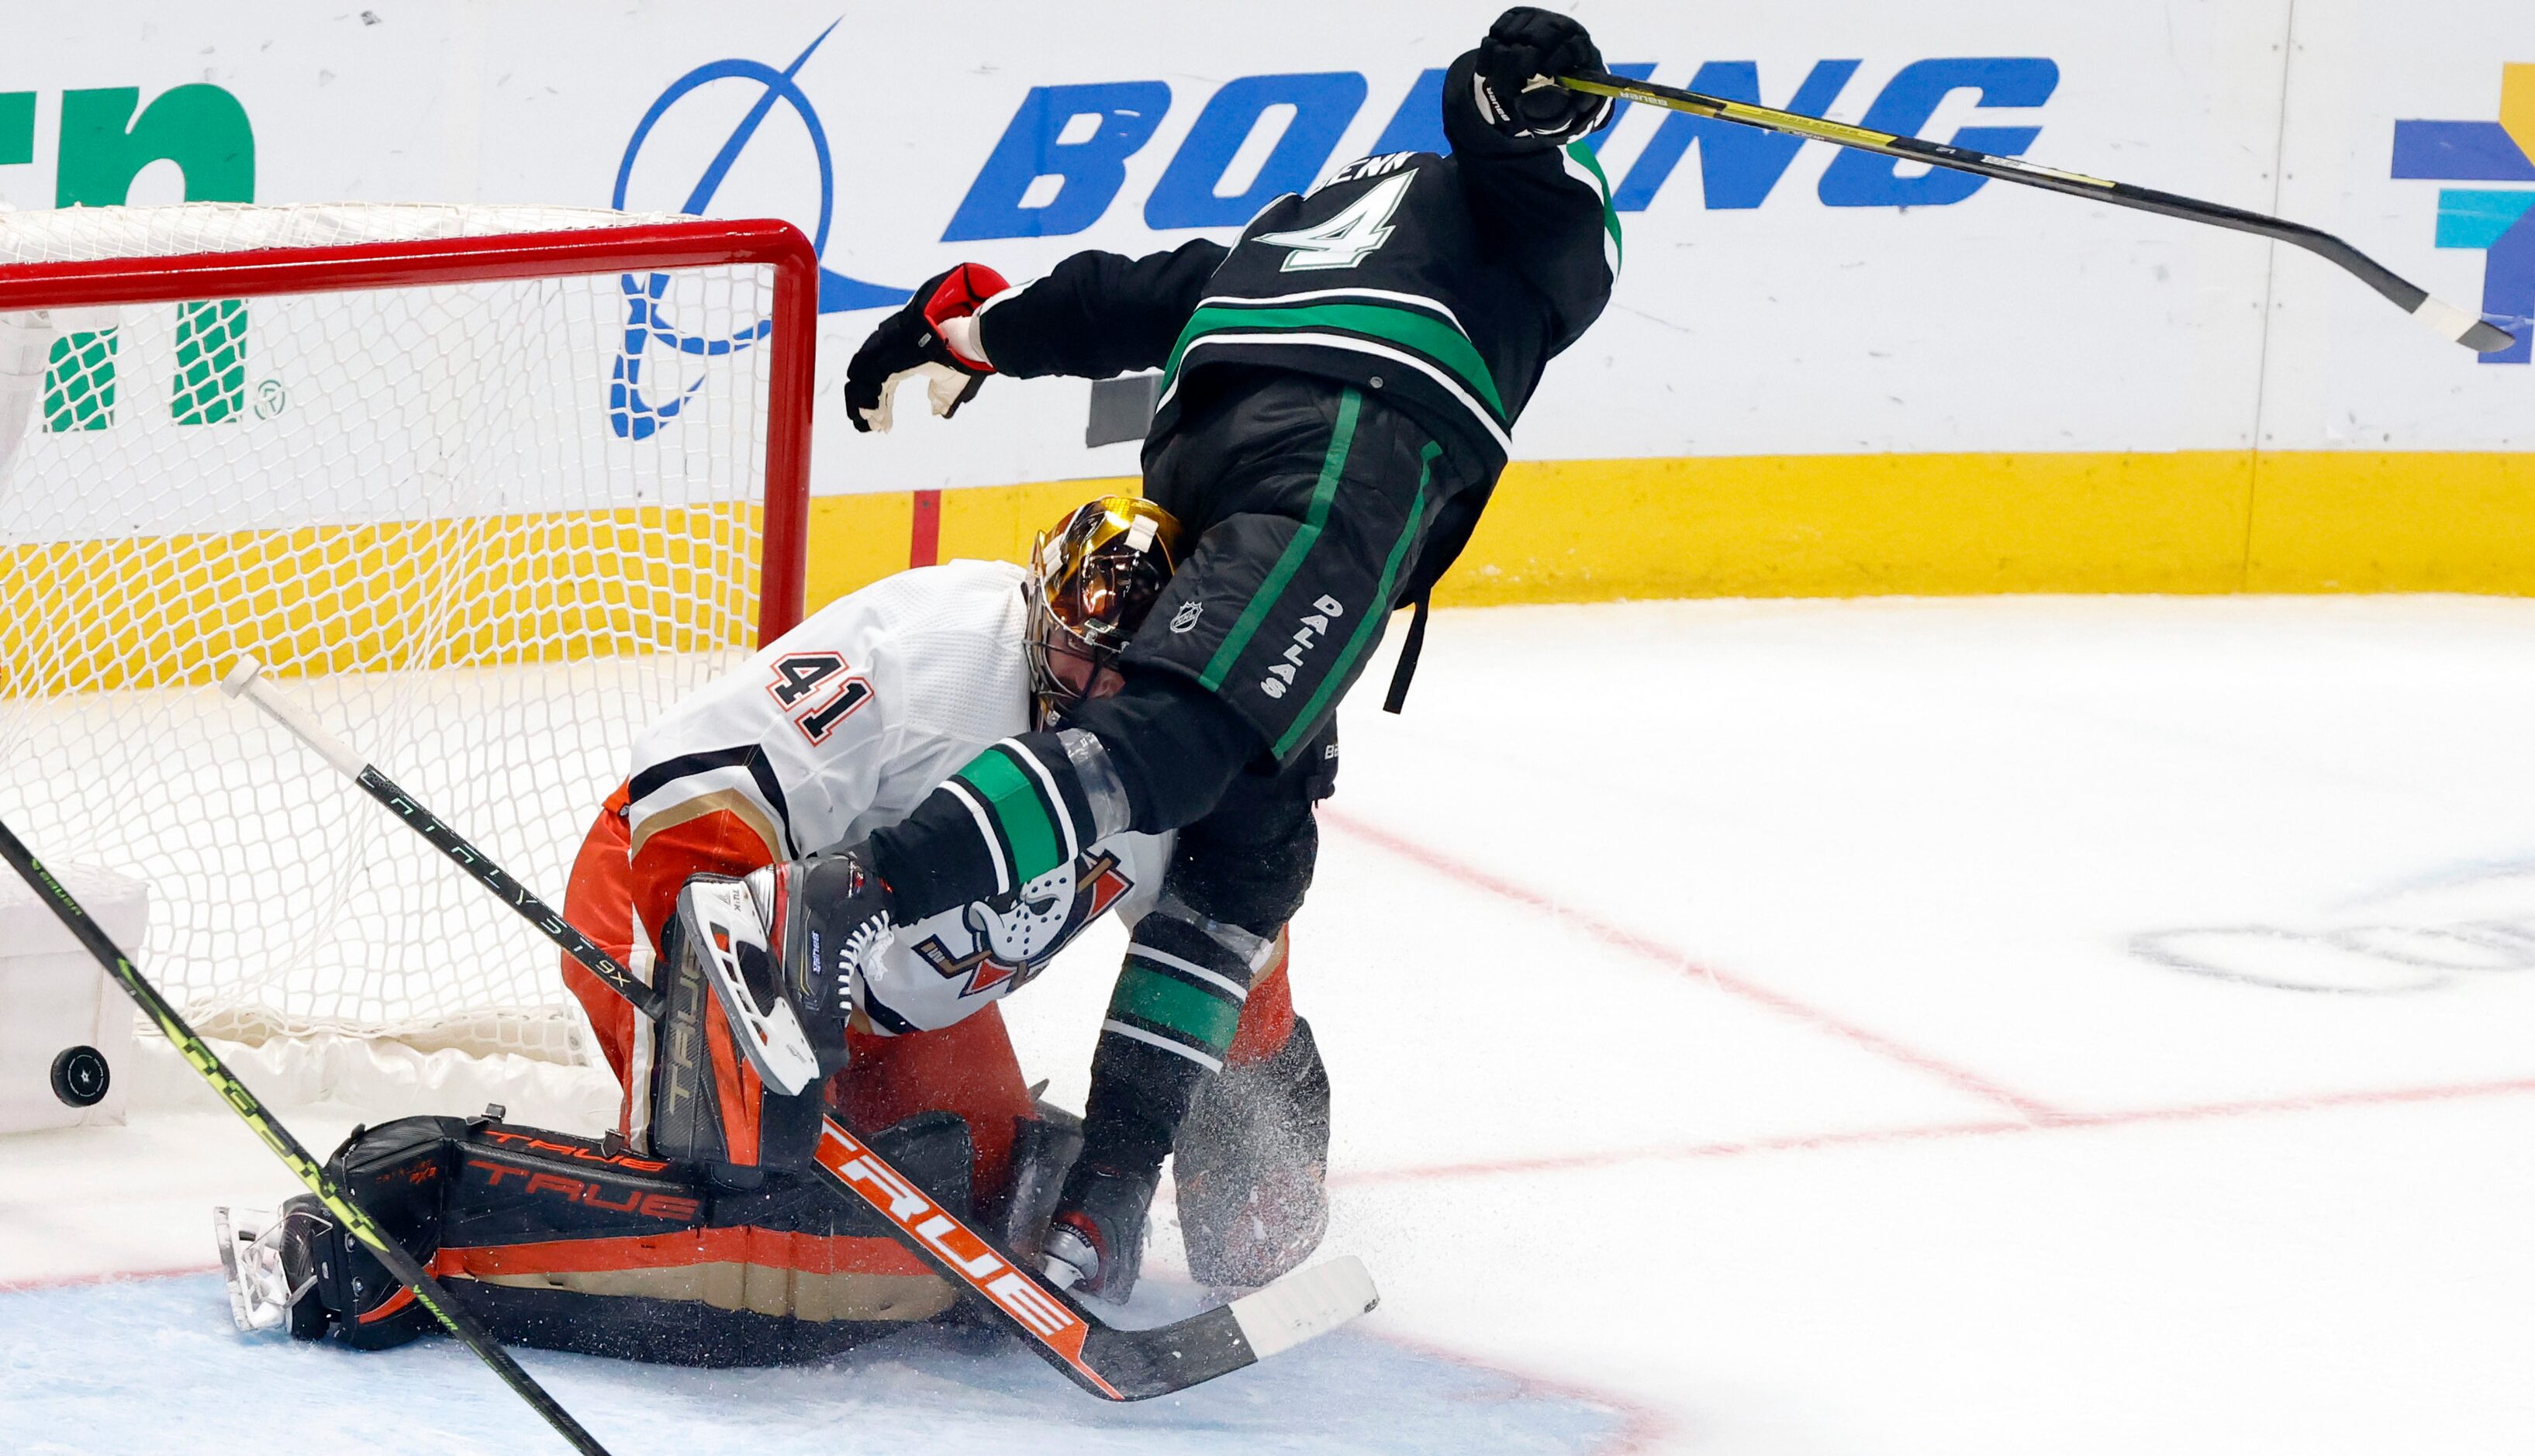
<point>1547,206</point>
<point>1099,313</point>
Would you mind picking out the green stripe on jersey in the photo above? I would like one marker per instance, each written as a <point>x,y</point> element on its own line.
<point>1422,335</point>
<point>1333,468</point>
<point>1602,181</point>
<point>1031,836</point>
<point>1371,621</point>
<point>1172,1005</point>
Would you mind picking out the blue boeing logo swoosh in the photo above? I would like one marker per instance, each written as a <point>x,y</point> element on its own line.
<point>634,414</point>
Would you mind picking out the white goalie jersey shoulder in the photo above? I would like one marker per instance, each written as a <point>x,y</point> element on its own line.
<point>845,722</point>
<point>843,725</point>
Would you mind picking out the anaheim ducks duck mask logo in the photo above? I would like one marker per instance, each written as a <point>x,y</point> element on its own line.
<point>1015,941</point>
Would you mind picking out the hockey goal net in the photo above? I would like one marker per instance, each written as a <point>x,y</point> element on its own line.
<point>485,487</point>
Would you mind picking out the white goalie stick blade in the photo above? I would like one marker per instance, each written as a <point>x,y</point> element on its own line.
<point>730,940</point>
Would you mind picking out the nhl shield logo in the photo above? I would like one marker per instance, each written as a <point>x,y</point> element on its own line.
<point>1184,621</point>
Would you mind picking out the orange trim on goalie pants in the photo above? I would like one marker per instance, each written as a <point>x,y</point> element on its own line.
<point>765,1249</point>
<point>967,1068</point>
<point>599,902</point>
<point>717,842</point>
<point>614,889</point>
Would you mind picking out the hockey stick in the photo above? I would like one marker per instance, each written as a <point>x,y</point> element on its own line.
<point>1111,1363</point>
<point>2446,319</point>
<point>427,1291</point>
<point>246,678</point>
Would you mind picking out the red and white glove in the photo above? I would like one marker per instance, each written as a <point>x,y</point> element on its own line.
<point>934,335</point>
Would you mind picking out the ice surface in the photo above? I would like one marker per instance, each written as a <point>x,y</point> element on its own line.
<point>73,1389</point>
<point>1755,1028</point>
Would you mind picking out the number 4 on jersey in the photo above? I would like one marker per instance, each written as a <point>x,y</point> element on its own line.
<point>801,678</point>
<point>1348,238</point>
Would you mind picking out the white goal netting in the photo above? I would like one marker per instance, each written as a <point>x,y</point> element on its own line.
<point>485,530</point>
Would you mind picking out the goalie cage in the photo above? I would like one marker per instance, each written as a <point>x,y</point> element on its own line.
<point>488,487</point>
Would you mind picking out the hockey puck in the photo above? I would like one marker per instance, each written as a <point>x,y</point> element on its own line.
<point>81,1076</point>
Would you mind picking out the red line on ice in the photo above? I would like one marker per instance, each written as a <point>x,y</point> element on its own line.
<point>110,1276</point>
<point>1940,1132</point>
<point>1644,948</point>
<point>1644,1428</point>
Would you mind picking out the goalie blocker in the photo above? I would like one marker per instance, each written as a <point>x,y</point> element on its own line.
<point>565,1244</point>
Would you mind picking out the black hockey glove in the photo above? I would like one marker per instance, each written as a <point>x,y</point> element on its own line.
<point>1518,64</point>
<point>912,341</point>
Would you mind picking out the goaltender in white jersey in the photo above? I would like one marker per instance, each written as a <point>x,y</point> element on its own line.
<point>840,726</point>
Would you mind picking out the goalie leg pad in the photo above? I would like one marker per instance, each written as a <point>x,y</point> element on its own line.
<point>300,1267</point>
<point>713,1105</point>
<point>1045,1146</point>
<point>561,1243</point>
<point>784,953</point>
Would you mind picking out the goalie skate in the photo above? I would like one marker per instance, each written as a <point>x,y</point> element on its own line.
<point>264,1259</point>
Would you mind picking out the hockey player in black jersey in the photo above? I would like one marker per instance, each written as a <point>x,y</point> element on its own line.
<point>1339,389</point>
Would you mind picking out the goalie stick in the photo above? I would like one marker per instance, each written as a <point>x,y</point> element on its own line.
<point>427,1291</point>
<point>2446,319</point>
<point>1111,1363</point>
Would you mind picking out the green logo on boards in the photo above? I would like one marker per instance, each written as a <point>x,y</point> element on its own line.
<point>107,138</point>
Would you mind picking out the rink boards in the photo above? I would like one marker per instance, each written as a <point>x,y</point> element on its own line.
<point>1820,373</point>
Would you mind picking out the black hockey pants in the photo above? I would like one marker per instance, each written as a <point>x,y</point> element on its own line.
<point>1314,504</point>
<point>1318,509</point>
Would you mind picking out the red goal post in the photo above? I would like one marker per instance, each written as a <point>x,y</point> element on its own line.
<point>476,553</point>
<point>644,248</point>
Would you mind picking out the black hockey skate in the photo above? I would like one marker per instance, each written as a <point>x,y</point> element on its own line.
<point>1095,1243</point>
<point>270,1261</point>
<point>298,1269</point>
<point>1251,1165</point>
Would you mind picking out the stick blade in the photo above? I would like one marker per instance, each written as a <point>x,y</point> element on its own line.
<point>2467,329</point>
<point>1301,1307</point>
<point>2489,339</point>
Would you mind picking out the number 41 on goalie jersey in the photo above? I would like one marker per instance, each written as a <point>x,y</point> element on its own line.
<point>808,688</point>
